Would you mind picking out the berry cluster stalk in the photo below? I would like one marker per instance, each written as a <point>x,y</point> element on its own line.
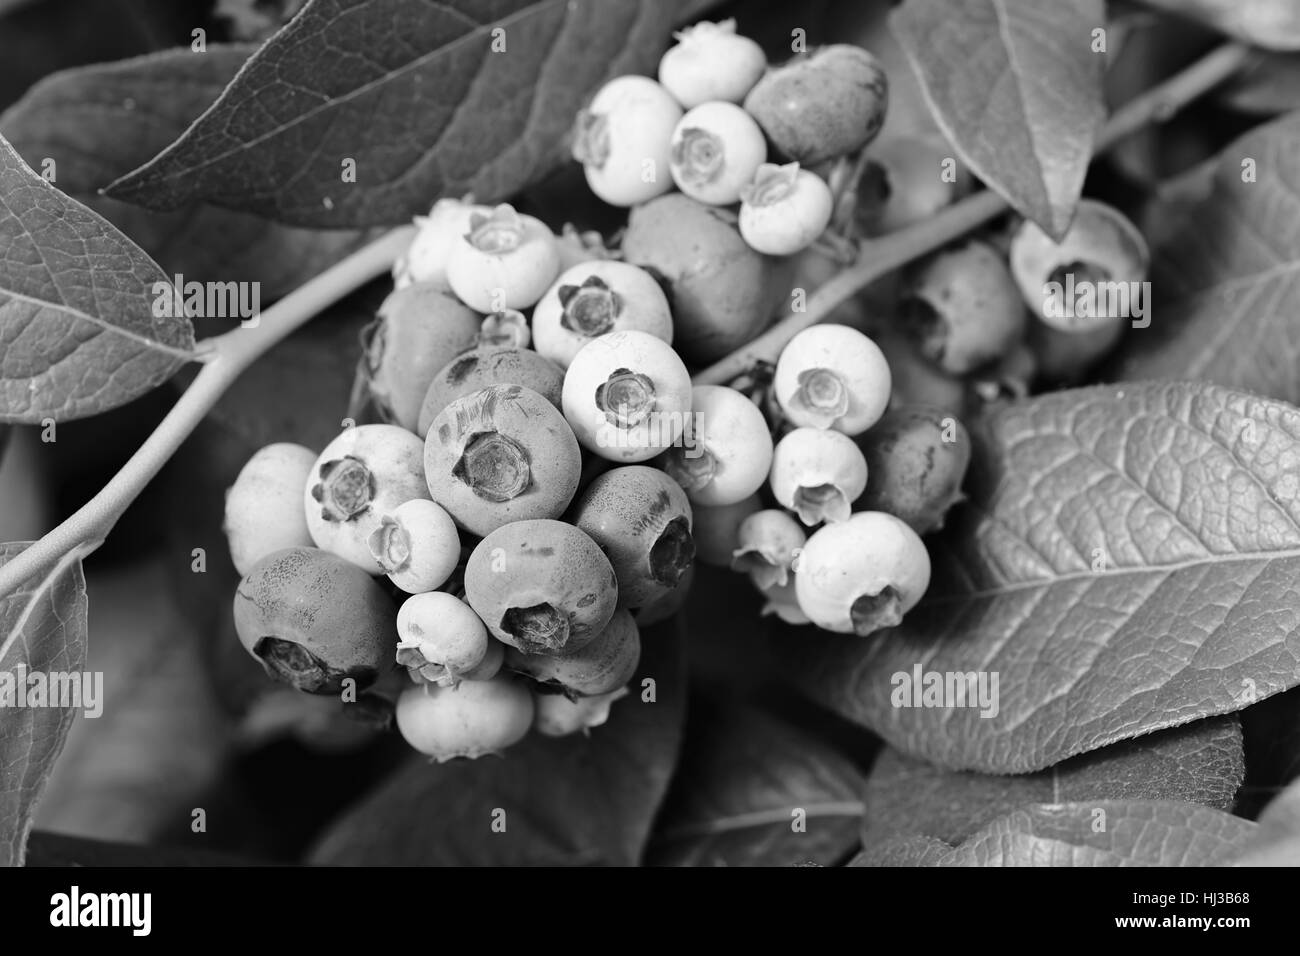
<point>227,355</point>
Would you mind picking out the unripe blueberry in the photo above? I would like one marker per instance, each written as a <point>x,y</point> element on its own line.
<point>767,543</point>
<point>578,247</point>
<point>784,209</point>
<point>827,103</point>
<point>505,261</point>
<point>1065,358</point>
<point>716,149</point>
<point>507,328</point>
<point>558,716</point>
<point>861,575</point>
<point>723,291</point>
<point>818,474</point>
<point>964,309</point>
<point>711,62</point>
<point>416,545</point>
<point>360,477</point>
<point>642,521</point>
<point>501,454</point>
<point>726,454</point>
<point>594,298</point>
<point>906,181</point>
<point>600,666</point>
<point>440,636</point>
<point>716,530</point>
<point>1101,246</point>
<point>436,234</point>
<point>420,328</point>
<point>263,506</point>
<point>493,660</point>
<point>917,458</point>
<point>623,139</point>
<point>472,719</point>
<point>485,366</point>
<point>627,396</point>
<point>781,601</point>
<point>313,620</point>
<point>832,376</point>
<point>541,586</point>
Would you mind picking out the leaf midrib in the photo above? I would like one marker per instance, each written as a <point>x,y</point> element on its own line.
<point>189,168</point>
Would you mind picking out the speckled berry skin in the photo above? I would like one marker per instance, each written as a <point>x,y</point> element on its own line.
<point>420,328</point>
<point>727,454</point>
<point>485,366</point>
<point>263,506</point>
<point>559,716</point>
<point>622,140</point>
<point>506,261</point>
<point>426,258</point>
<point>313,620</point>
<point>471,720</point>
<point>1101,245</point>
<point>784,209</point>
<point>963,308</point>
<point>917,456</point>
<point>627,396</point>
<point>362,475</point>
<point>861,575</point>
<point>711,61</point>
<point>716,149</point>
<point>593,298</point>
<point>541,586</point>
<point>827,103</point>
<point>600,666</point>
<point>501,454</point>
<point>723,292</point>
<point>832,376</point>
<point>642,521</point>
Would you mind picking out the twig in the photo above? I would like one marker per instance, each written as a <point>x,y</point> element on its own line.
<point>877,257</point>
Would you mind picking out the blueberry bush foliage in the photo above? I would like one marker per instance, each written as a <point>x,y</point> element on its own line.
<point>1125,560</point>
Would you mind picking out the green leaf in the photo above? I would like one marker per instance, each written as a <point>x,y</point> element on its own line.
<point>1229,306</point>
<point>1136,833</point>
<point>1269,84</point>
<point>42,631</point>
<point>1126,563</point>
<point>415,95</point>
<point>1017,88</point>
<point>1201,763</point>
<point>566,801</point>
<point>76,307</point>
<point>97,123</point>
<point>754,791</point>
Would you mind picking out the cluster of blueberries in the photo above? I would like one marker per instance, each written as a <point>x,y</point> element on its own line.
<point>547,473</point>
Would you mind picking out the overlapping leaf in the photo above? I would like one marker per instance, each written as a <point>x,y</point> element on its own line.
<point>1017,87</point>
<point>1136,833</point>
<point>1268,23</point>
<point>77,300</point>
<point>754,791</point>
<point>1127,562</point>
<point>1201,763</point>
<point>97,123</point>
<point>426,99</point>
<point>42,631</point>
<point>1228,280</point>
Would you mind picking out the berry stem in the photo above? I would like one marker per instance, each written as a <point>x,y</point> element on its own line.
<point>224,357</point>
<point>877,257</point>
